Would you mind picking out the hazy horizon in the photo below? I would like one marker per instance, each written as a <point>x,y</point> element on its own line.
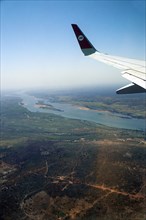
<point>39,49</point>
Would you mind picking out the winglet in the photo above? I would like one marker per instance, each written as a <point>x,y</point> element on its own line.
<point>85,45</point>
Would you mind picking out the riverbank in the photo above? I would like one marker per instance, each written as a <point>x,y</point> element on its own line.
<point>56,167</point>
<point>77,111</point>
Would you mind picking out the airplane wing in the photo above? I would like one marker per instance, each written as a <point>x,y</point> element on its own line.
<point>133,70</point>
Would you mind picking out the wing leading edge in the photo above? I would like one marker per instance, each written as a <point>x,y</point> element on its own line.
<point>133,70</point>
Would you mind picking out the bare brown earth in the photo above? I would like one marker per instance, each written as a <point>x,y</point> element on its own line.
<point>61,169</point>
<point>94,187</point>
<point>73,197</point>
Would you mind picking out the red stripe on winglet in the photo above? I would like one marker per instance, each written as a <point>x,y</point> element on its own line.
<point>84,44</point>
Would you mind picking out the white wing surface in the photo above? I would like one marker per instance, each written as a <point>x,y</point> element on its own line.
<point>133,70</point>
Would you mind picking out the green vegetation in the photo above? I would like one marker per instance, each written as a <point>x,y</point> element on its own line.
<point>133,106</point>
<point>53,167</point>
<point>130,105</point>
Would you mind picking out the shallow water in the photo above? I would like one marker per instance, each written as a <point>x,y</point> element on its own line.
<point>74,112</point>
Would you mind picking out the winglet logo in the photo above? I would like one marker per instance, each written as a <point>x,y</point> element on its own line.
<point>81,37</point>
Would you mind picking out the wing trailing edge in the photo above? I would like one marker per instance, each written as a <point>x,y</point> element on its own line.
<point>129,89</point>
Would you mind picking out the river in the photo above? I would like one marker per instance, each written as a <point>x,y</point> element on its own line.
<point>74,112</point>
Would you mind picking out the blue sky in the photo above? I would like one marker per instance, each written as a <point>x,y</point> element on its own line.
<point>39,49</point>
